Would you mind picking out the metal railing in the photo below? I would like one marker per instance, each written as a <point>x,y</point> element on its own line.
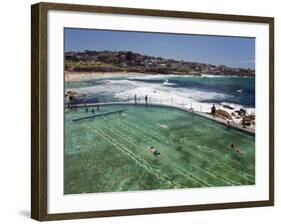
<point>159,100</point>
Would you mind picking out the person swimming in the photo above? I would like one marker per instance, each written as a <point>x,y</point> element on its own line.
<point>235,149</point>
<point>154,151</point>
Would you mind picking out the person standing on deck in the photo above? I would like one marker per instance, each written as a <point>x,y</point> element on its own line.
<point>135,98</point>
<point>146,99</point>
<point>85,102</point>
<point>213,110</point>
<point>98,106</point>
<point>72,100</point>
<point>75,102</point>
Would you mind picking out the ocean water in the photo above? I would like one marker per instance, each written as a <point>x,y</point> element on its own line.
<point>201,92</point>
<point>110,153</point>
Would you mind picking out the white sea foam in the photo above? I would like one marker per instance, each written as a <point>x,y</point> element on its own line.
<point>218,76</point>
<point>165,94</point>
<point>153,77</point>
<point>167,83</point>
<point>162,93</point>
<point>249,110</point>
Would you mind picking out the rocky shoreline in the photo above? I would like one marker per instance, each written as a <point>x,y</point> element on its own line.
<point>239,116</point>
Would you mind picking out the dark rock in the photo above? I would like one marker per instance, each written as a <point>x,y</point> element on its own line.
<point>223,114</point>
<point>238,112</point>
<point>227,107</point>
<point>243,111</point>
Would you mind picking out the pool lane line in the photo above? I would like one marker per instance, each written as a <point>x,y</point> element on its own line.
<point>145,126</point>
<point>218,152</point>
<point>148,132</point>
<point>228,181</point>
<point>243,174</point>
<point>98,115</point>
<point>222,177</point>
<point>74,152</point>
<point>206,150</point>
<point>180,173</point>
<point>141,136</point>
<point>136,159</point>
<point>217,120</point>
<point>213,174</point>
<point>184,173</point>
<point>214,150</point>
<point>118,145</point>
<point>231,182</point>
<point>142,130</point>
<point>248,178</point>
<point>115,131</point>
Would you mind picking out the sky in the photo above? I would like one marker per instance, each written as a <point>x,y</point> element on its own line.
<point>218,50</point>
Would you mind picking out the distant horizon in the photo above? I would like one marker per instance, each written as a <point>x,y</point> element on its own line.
<point>235,52</point>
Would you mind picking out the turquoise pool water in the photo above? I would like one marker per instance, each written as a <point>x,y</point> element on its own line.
<point>110,153</point>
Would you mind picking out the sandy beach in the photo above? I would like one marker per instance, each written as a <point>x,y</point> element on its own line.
<point>82,76</point>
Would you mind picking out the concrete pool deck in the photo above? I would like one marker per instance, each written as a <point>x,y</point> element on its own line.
<point>233,125</point>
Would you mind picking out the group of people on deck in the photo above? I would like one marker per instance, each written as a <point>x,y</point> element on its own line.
<point>71,99</point>
<point>145,98</point>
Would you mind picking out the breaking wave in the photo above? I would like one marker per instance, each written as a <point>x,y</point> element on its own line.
<point>162,90</point>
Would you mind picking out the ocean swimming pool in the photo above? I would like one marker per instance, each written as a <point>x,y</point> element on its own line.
<point>110,153</point>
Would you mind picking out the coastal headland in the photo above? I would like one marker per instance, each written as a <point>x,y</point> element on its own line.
<point>130,62</point>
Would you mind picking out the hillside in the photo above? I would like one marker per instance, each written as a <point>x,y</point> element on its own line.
<point>127,61</point>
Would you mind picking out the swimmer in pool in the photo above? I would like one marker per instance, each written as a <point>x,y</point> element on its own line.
<point>154,151</point>
<point>235,149</point>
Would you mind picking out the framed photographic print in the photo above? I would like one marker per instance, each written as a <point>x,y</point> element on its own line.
<point>139,111</point>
